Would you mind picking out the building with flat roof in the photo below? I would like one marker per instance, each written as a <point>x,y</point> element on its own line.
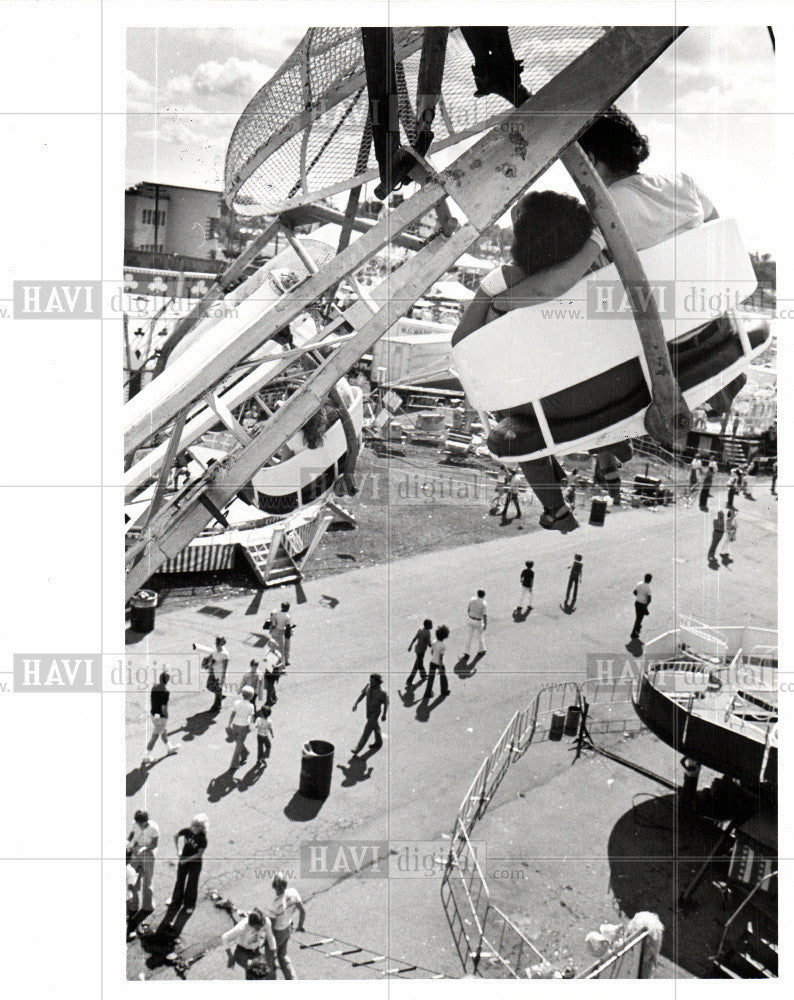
<point>173,220</point>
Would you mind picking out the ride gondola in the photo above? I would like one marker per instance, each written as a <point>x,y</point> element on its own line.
<point>571,373</point>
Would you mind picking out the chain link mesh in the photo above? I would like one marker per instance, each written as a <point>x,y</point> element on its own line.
<point>299,138</point>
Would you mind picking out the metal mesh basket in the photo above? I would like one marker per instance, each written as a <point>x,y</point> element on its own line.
<point>304,135</point>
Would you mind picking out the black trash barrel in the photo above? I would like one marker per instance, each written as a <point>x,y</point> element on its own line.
<point>573,720</point>
<point>557,726</point>
<point>317,769</point>
<point>598,511</point>
<point>142,609</point>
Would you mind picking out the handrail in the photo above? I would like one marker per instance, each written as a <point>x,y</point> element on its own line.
<point>740,907</point>
<point>593,972</point>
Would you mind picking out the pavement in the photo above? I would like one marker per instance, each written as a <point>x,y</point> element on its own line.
<point>407,794</point>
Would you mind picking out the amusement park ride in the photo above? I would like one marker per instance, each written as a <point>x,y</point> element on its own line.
<point>314,132</point>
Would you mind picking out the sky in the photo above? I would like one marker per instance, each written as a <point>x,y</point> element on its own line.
<point>706,105</point>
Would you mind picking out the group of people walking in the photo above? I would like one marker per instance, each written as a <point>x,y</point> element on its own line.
<point>256,692</point>
<point>421,643</point>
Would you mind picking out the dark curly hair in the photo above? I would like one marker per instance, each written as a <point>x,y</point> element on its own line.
<point>615,140</point>
<point>548,228</point>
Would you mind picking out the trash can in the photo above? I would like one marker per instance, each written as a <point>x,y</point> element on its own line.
<point>573,720</point>
<point>557,726</point>
<point>317,769</point>
<point>598,511</point>
<point>142,608</point>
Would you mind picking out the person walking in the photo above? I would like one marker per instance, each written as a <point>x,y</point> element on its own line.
<point>527,581</point>
<point>240,725</point>
<point>717,531</point>
<point>376,701</point>
<point>695,469</point>
<point>705,488</point>
<point>188,869</point>
<point>253,679</point>
<point>420,643</point>
<point>642,600</point>
<point>730,536</point>
<point>216,662</point>
<point>733,488</point>
<point>246,941</point>
<point>271,679</point>
<point>264,733</point>
<point>511,494</point>
<point>477,623</point>
<point>158,700</point>
<point>744,481</point>
<point>437,651</point>
<point>286,904</point>
<point>142,849</point>
<point>574,578</point>
<point>281,628</point>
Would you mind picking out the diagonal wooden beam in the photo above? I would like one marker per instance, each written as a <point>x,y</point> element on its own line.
<point>667,419</point>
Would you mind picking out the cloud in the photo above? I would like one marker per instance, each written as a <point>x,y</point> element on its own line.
<point>233,78</point>
<point>269,45</point>
<point>141,95</point>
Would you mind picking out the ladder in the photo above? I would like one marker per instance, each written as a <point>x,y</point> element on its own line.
<point>483,182</point>
<point>359,957</point>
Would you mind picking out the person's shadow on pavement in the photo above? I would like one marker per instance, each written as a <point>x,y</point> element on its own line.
<point>251,776</point>
<point>136,779</point>
<point>408,696</point>
<point>220,786</point>
<point>426,707</point>
<point>173,923</point>
<point>465,667</point>
<point>197,724</point>
<point>356,770</point>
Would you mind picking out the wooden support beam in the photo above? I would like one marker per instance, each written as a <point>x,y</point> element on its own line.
<point>300,250</point>
<point>275,544</point>
<point>667,419</point>
<point>227,418</point>
<point>215,292</point>
<point>323,523</point>
<point>165,468</point>
<point>340,514</point>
